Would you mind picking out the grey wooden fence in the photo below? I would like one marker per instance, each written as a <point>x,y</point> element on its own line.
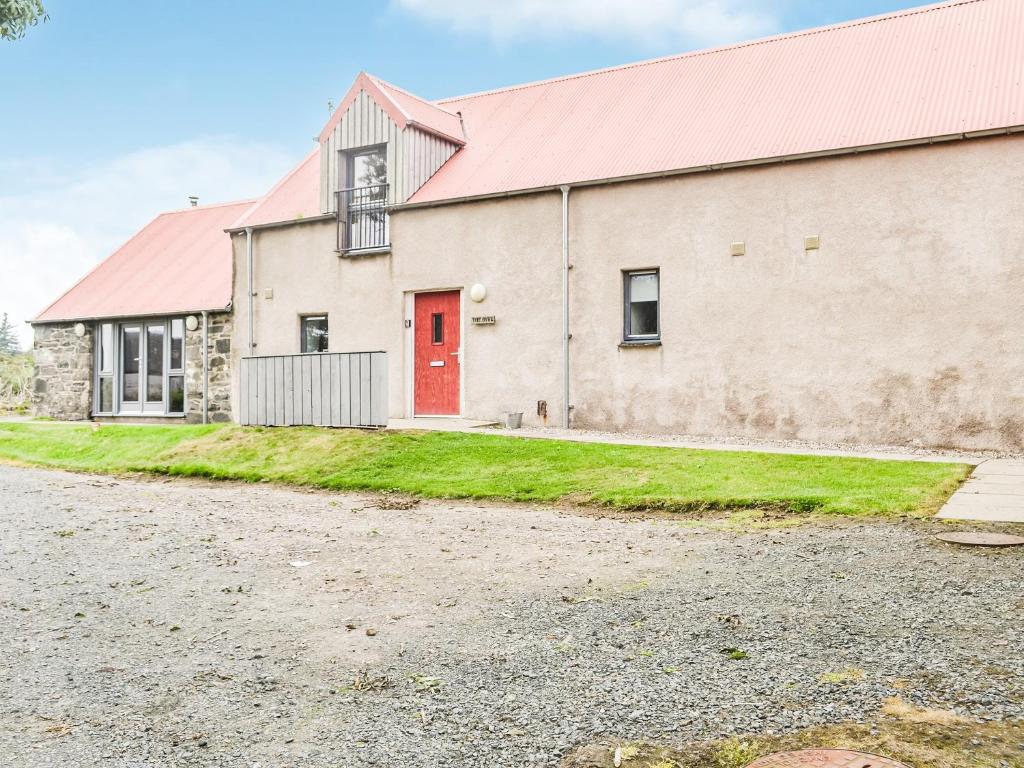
<point>330,389</point>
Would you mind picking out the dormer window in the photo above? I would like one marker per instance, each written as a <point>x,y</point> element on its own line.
<point>362,211</point>
<point>368,168</point>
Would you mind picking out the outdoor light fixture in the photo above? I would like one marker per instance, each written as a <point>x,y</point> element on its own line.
<point>191,322</point>
<point>79,329</point>
<point>478,293</point>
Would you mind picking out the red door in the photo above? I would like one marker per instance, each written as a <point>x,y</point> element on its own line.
<point>436,381</point>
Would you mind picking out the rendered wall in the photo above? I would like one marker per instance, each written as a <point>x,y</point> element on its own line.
<point>906,326</point>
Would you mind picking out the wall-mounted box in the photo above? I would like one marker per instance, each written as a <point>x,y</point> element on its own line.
<point>738,249</point>
<point>812,243</point>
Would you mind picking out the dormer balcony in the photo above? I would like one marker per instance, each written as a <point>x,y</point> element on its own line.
<point>363,219</point>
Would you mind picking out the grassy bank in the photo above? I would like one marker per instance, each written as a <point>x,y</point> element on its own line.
<point>455,465</point>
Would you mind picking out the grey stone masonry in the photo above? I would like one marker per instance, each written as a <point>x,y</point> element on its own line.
<point>62,380</point>
<point>219,338</point>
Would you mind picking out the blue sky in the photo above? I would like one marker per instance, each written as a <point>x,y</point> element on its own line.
<point>113,111</point>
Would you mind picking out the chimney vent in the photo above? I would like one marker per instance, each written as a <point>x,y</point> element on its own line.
<point>193,200</point>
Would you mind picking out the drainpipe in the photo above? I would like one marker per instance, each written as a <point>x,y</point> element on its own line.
<point>565,307</point>
<point>206,367</point>
<point>248,268</point>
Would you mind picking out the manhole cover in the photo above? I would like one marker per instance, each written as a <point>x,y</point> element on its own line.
<point>825,758</point>
<point>981,539</point>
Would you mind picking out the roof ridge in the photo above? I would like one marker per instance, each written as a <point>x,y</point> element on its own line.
<point>411,95</point>
<point>208,206</point>
<point>718,49</point>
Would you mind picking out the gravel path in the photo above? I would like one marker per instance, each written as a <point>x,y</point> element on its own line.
<point>149,623</point>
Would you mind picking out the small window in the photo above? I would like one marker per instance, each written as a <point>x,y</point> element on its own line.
<point>176,394</point>
<point>107,348</point>
<point>437,328</point>
<point>314,333</point>
<point>177,344</point>
<point>641,305</point>
<point>106,394</point>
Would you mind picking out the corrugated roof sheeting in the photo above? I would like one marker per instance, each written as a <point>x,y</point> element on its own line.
<point>428,116</point>
<point>927,72</point>
<point>179,262</point>
<point>296,196</point>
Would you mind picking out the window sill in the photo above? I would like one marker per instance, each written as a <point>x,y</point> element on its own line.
<point>640,343</point>
<point>365,251</point>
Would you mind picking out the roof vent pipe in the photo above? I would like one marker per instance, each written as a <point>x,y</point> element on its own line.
<point>193,200</point>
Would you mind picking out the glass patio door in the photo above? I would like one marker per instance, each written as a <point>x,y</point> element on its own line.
<point>131,355</point>
<point>143,367</point>
<point>155,367</point>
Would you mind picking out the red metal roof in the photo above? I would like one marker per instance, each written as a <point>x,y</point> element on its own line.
<point>296,196</point>
<point>934,71</point>
<point>179,262</point>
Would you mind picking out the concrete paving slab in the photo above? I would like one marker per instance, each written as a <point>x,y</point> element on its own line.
<point>993,515</point>
<point>1000,467</point>
<point>993,493</point>
<point>986,485</point>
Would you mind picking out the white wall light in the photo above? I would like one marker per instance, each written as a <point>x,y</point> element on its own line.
<point>478,293</point>
<point>191,322</point>
<point>79,330</point>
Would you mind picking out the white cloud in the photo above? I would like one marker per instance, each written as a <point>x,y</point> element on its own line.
<point>662,22</point>
<point>55,227</point>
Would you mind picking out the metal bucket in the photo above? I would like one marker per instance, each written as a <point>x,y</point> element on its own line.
<point>514,420</point>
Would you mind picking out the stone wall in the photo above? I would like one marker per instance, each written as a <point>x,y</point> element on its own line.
<point>219,339</point>
<point>62,380</point>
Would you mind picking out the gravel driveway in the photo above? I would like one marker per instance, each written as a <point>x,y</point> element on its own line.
<point>149,623</point>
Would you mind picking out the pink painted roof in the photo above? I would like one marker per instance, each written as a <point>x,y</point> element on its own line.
<point>296,196</point>
<point>179,262</point>
<point>402,107</point>
<point>945,69</point>
<point>424,114</point>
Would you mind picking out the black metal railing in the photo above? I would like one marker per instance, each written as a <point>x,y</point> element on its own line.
<point>363,218</point>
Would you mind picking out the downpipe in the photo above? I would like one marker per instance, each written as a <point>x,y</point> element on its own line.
<point>566,407</point>
<point>206,367</point>
<point>248,272</point>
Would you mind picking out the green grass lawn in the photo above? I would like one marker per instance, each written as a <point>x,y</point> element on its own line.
<point>459,465</point>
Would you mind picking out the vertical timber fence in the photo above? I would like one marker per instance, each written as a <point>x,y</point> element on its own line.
<point>328,389</point>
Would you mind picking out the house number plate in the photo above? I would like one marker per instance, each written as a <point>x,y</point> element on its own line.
<point>483,320</point>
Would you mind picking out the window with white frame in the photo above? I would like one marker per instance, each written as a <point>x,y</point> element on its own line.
<point>140,367</point>
<point>362,202</point>
<point>105,368</point>
<point>641,294</point>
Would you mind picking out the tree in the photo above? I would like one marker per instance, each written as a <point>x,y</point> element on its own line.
<point>8,338</point>
<point>16,16</point>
